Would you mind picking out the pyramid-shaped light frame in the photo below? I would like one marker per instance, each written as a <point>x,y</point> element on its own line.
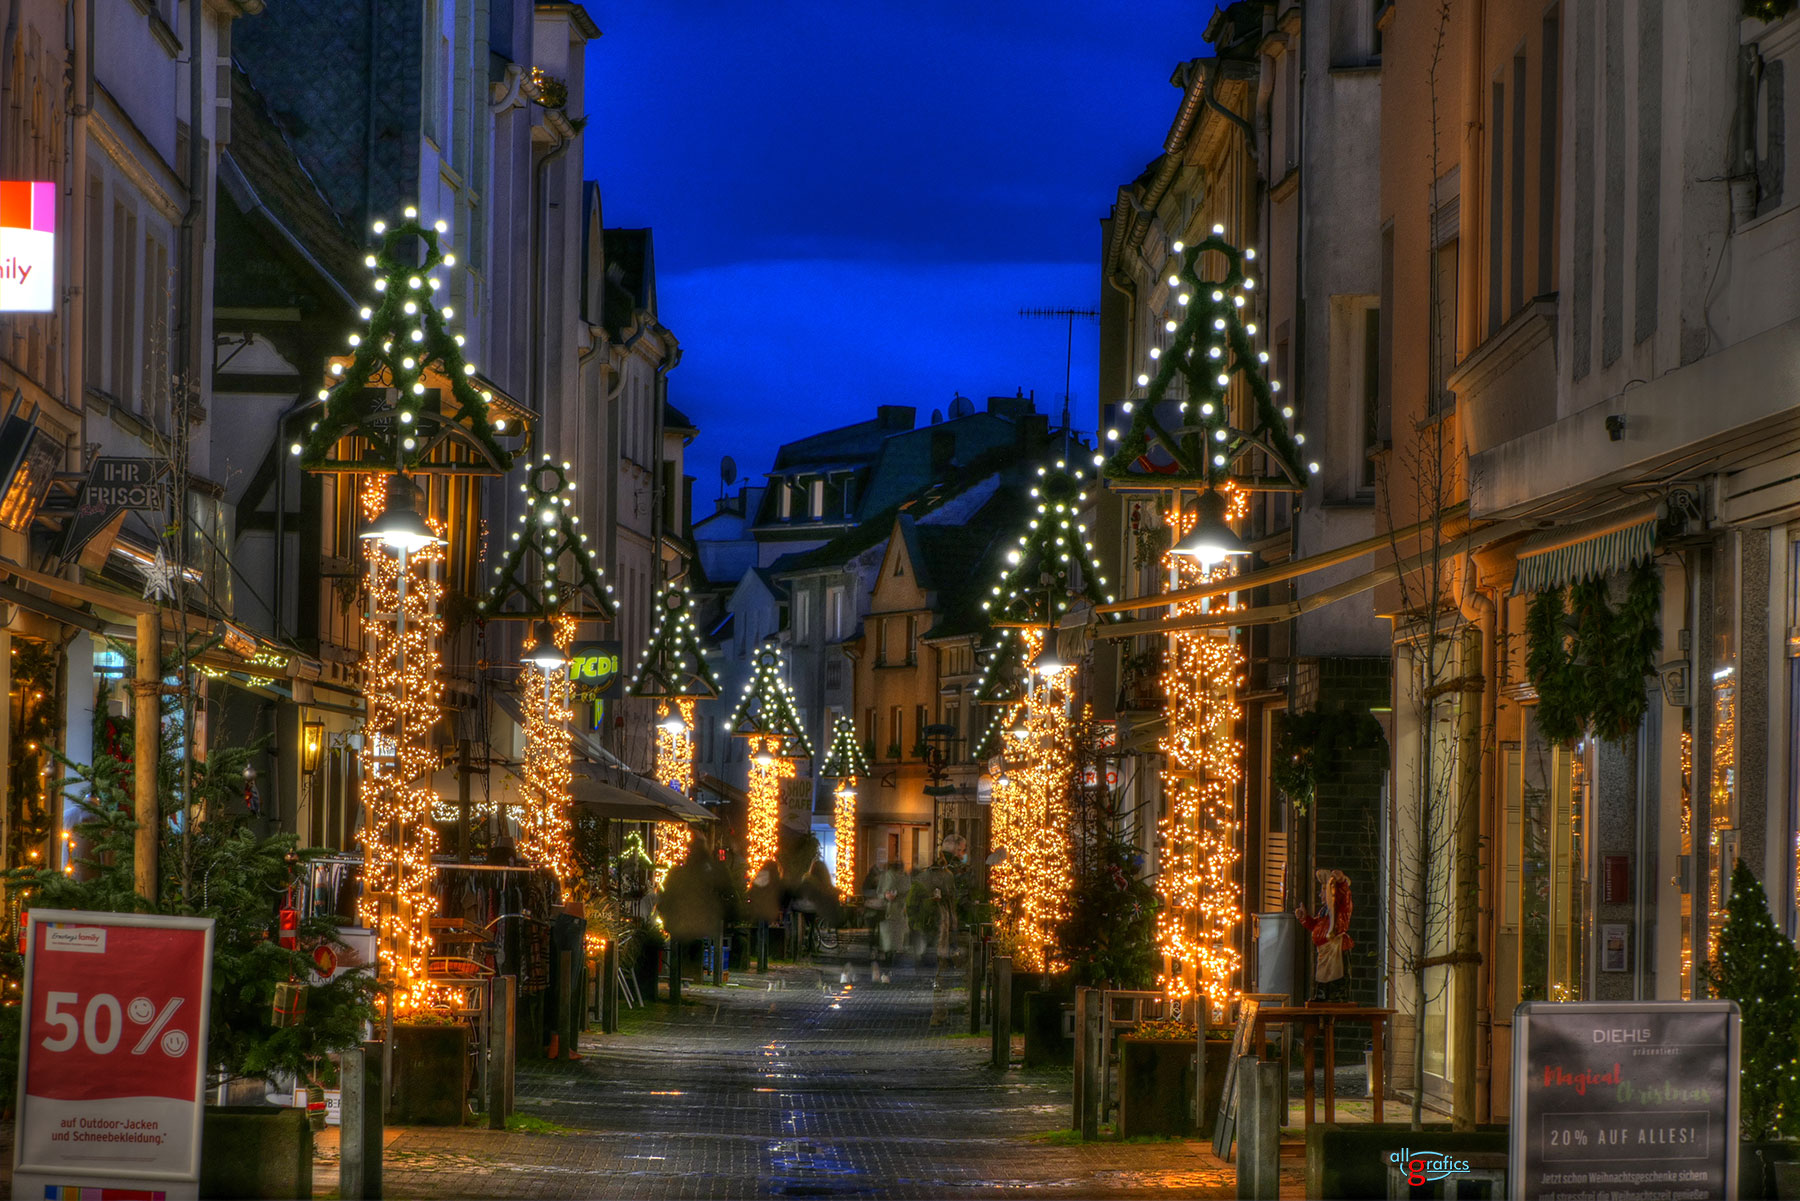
<point>546,530</point>
<point>379,393</point>
<point>673,664</point>
<point>844,758</point>
<point>1210,346</point>
<point>767,710</point>
<point>1056,542</point>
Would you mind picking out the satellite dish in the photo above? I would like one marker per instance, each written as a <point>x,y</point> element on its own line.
<point>728,471</point>
<point>937,417</point>
<point>962,406</point>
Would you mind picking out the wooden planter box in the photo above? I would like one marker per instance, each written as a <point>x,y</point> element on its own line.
<point>255,1151</point>
<point>431,1075</point>
<point>1156,1082</point>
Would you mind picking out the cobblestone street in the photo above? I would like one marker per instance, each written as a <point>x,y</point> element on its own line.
<point>792,1084</point>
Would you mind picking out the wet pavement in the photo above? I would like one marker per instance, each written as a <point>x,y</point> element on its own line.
<point>792,1084</point>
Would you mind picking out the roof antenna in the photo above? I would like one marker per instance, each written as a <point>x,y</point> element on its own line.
<point>1068,315</point>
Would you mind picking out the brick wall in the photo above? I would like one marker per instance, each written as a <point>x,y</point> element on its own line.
<point>1346,826</point>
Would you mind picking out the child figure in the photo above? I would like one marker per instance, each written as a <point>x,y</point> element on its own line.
<point>1330,929</point>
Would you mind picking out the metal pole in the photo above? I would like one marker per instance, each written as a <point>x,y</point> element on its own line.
<point>718,972</point>
<point>674,952</point>
<point>1002,1057</point>
<point>975,973</point>
<point>146,729</point>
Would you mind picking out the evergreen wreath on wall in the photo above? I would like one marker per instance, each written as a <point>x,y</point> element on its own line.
<point>1587,660</point>
<point>1315,740</point>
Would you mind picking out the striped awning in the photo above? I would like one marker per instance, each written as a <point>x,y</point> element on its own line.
<point>1585,550</point>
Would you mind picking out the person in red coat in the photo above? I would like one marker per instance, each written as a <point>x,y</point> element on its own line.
<point>1330,930</point>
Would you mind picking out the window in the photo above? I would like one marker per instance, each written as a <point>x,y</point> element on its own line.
<point>1384,366</point>
<point>1549,124</point>
<point>912,639</point>
<point>1515,256</point>
<point>815,506</point>
<point>1496,206</point>
<point>834,613</point>
<point>896,731</point>
<point>1443,340</point>
<point>802,614</point>
<point>93,312</point>
<point>1371,393</point>
<point>124,294</point>
<point>919,722</point>
<point>786,500</point>
<point>953,719</point>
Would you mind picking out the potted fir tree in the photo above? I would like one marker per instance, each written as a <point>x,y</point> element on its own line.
<point>1756,966</point>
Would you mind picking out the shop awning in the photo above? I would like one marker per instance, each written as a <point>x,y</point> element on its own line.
<point>1584,550</point>
<point>606,799</point>
<point>597,765</point>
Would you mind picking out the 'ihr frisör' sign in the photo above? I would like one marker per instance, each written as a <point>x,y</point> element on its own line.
<point>1613,1100</point>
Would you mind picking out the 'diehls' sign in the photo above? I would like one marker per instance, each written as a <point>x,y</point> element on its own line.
<point>1614,1100</point>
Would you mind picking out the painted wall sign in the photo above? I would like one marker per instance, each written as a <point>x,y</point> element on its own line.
<point>27,246</point>
<point>112,1054</point>
<point>1624,1099</point>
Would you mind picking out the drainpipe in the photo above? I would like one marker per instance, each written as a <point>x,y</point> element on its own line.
<point>1471,815</point>
<point>193,240</point>
<point>539,276</point>
<point>75,345</point>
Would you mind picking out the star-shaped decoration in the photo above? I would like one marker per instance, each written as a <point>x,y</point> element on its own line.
<point>159,578</point>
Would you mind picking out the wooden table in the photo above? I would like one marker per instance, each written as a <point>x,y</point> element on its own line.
<point>1315,1018</point>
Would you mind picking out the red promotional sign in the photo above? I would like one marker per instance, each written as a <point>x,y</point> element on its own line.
<point>112,1057</point>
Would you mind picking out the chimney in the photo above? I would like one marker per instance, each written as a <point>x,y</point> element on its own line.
<point>895,417</point>
<point>943,452</point>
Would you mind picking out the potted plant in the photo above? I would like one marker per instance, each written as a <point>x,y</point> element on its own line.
<point>216,868</point>
<point>1756,966</point>
<point>1156,1079</point>
<point>893,751</point>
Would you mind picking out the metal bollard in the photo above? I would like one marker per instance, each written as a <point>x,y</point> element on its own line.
<point>976,974</point>
<point>1002,1057</point>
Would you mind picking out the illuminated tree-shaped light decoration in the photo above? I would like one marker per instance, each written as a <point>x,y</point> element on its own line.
<point>1031,817</point>
<point>405,394</point>
<point>1051,562</point>
<point>404,694</point>
<point>675,671</point>
<point>767,717</point>
<point>1185,414</point>
<point>546,827</point>
<point>845,763</point>
<point>546,532</point>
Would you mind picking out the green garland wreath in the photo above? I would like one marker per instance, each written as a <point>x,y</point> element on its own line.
<point>1587,660</point>
<point>1316,739</point>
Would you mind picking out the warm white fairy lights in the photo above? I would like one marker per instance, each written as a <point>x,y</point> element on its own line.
<point>1030,817</point>
<point>1202,902</point>
<point>546,828</point>
<point>845,762</point>
<point>675,768</point>
<point>401,686</point>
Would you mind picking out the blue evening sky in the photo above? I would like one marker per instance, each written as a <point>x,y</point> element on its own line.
<point>852,199</point>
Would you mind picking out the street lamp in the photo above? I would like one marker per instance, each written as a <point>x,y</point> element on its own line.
<point>1048,662</point>
<point>672,725</point>
<point>1211,541</point>
<point>546,656</point>
<point>312,745</point>
<point>398,526</point>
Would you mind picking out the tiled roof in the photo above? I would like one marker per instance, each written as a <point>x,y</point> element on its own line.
<point>269,164</point>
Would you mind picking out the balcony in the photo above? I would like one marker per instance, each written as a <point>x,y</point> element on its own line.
<point>1507,385</point>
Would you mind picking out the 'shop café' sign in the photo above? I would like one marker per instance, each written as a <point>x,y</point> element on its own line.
<point>27,246</point>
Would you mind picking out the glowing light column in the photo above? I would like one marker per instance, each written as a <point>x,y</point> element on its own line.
<point>846,763</point>
<point>675,671</point>
<point>767,717</point>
